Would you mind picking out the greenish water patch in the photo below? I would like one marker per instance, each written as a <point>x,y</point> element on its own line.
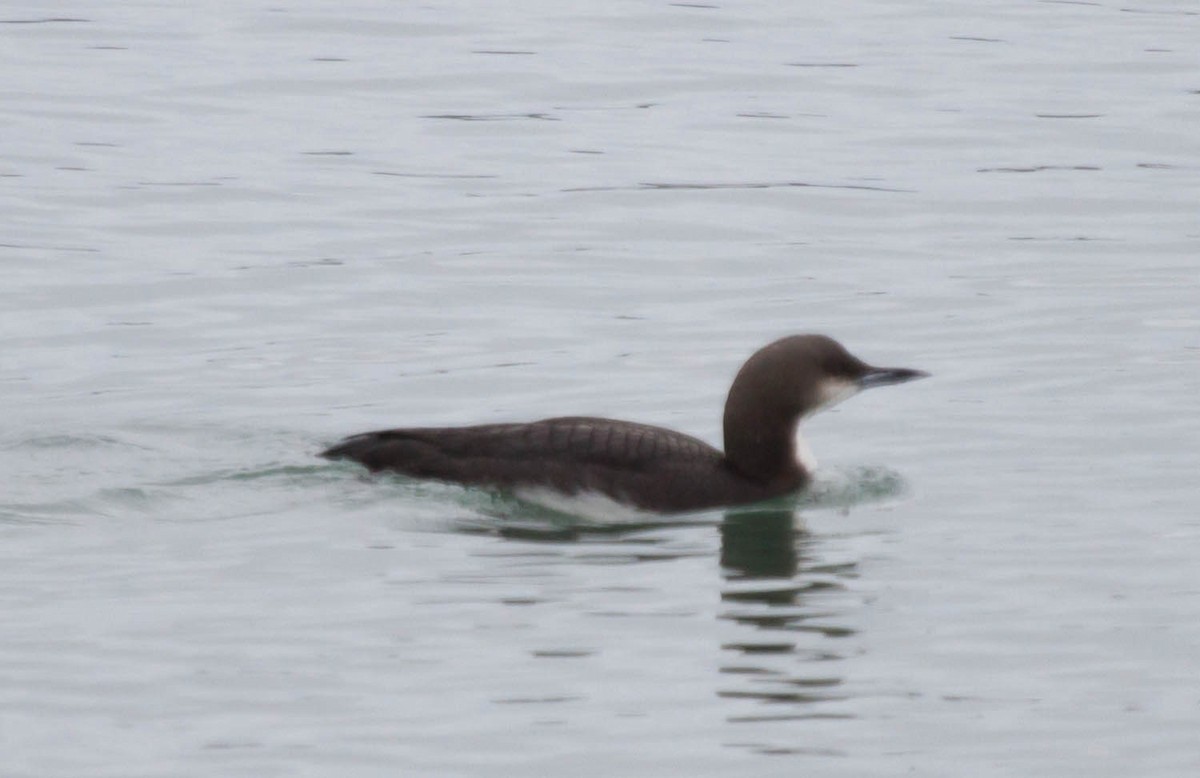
<point>846,488</point>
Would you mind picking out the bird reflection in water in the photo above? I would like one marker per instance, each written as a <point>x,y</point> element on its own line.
<point>779,590</point>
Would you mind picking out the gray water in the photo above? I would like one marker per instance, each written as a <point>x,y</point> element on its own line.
<point>233,233</point>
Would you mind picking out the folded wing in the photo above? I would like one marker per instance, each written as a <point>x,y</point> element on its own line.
<point>504,454</point>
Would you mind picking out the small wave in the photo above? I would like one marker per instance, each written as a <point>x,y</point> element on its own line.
<point>63,440</point>
<point>286,472</point>
<point>848,487</point>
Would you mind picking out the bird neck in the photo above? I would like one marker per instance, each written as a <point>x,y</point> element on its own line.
<point>764,448</point>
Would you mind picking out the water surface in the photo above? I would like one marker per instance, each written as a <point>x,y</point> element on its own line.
<point>233,234</point>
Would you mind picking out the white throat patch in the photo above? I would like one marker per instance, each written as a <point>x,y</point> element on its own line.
<point>833,391</point>
<point>804,455</point>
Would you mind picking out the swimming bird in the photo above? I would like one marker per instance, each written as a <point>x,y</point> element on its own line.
<point>639,465</point>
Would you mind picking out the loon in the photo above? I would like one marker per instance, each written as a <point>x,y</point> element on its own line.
<point>641,466</point>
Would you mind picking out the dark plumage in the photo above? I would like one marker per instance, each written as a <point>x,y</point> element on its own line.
<point>647,467</point>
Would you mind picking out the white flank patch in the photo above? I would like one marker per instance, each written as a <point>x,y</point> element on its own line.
<point>588,505</point>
